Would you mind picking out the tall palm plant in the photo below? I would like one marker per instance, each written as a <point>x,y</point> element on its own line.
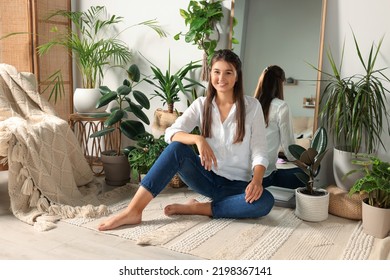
<point>94,43</point>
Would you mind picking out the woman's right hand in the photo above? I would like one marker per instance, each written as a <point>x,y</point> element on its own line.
<point>207,156</point>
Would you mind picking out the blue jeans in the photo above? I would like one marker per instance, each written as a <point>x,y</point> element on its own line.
<point>228,197</point>
<point>284,178</point>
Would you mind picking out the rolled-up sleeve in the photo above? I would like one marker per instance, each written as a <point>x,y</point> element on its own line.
<point>190,119</point>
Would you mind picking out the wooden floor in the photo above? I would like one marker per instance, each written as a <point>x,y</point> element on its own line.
<point>20,241</point>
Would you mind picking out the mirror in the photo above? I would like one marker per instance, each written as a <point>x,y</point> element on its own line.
<point>288,33</point>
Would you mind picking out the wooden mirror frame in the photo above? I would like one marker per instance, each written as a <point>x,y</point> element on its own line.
<point>320,55</point>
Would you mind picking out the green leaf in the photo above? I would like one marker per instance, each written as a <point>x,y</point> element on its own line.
<point>296,150</point>
<point>132,129</point>
<point>134,73</point>
<point>124,90</point>
<point>139,113</point>
<point>320,140</point>
<point>115,117</point>
<point>107,98</point>
<point>141,99</point>
<point>104,90</point>
<point>102,132</point>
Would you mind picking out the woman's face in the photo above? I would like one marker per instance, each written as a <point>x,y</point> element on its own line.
<point>223,76</point>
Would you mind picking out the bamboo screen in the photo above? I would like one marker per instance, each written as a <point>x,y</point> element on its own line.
<point>19,50</point>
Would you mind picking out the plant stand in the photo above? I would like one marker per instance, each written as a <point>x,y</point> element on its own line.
<point>83,126</point>
<point>311,208</point>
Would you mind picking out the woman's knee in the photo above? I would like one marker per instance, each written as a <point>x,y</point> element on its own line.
<point>265,204</point>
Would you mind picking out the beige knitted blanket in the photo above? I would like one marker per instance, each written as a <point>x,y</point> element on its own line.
<point>49,177</point>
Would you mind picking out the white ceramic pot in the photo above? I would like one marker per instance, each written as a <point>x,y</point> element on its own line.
<point>342,164</point>
<point>311,208</point>
<point>85,100</point>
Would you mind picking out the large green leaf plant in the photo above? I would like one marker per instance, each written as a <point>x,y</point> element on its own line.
<point>118,119</point>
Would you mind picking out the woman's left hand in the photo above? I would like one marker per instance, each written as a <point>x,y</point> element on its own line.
<point>253,191</point>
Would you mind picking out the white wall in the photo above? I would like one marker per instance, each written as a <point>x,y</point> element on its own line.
<point>370,21</point>
<point>146,41</point>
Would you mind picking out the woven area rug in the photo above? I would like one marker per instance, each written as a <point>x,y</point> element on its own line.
<point>278,236</point>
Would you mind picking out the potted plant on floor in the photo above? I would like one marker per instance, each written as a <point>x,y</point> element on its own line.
<point>354,111</point>
<point>115,161</point>
<point>168,86</point>
<point>311,203</point>
<point>375,184</point>
<point>95,46</point>
<point>145,153</point>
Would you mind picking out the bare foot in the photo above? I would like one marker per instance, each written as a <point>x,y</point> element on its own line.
<point>123,218</point>
<point>181,209</point>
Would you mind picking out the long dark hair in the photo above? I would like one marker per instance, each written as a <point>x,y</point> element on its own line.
<point>238,95</point>
<point>270,86</point>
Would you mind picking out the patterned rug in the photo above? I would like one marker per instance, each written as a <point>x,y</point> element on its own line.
<point>278,236</point>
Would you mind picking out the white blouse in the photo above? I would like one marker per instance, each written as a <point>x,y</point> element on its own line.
<point>235,161</point>
<point>279,132</point>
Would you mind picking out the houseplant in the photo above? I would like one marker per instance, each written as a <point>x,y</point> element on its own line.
<point>167,86</point>
<point>95,46</point>
<point>311,203</point>
<point>376,185</point>
<point>145,153</point>
<point>117,120</point>
<point>354,111</point>
<point>202,17</point>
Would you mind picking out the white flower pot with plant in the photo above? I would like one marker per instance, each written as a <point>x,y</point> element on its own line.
<point>354,112</point>
<point>311,203</point>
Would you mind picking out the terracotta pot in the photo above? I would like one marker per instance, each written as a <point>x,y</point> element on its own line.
<point>311,208</point>
<point>375,221</point>
<point>116,168</point>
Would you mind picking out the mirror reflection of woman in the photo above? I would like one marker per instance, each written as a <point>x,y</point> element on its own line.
<point>232,153</point>
<point>279,129</point>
